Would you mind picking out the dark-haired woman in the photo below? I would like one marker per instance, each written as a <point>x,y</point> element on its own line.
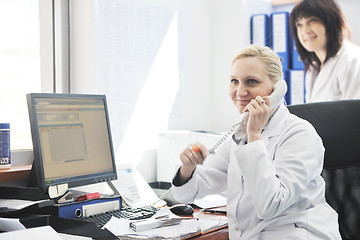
<point>331,61</point>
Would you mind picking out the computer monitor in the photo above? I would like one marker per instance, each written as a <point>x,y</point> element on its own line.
<point>71,140</point>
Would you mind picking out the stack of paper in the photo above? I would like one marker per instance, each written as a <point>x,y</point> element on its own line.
<point>189,227</point>
<point>120,228</point>
<point>210,225</point>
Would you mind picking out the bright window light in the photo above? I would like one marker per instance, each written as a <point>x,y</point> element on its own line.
<point>19,66</point>
<point>155,101</point>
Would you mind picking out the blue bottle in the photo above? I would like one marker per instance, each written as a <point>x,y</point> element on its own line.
<point>5,157</point>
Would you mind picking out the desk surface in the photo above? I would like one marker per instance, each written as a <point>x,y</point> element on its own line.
<point>15,173</point>
<point>88,229</point>
<point>222,234</point>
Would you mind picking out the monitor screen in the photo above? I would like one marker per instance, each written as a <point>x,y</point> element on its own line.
<point>71,140</point>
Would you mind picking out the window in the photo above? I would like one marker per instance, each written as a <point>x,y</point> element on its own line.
<point>26,62</point>
<point>19,65</point>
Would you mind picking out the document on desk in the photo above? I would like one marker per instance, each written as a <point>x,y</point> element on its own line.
<point>187,228</point>
<point>73,237</point>
<point>45,232</point>
<point>10,224</point>
<point>210,225</point>
<point>18,204</point>
<point>211,201</point>
<point>120,228</point>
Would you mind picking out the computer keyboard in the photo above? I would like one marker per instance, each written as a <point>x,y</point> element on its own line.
<point>127,212</point>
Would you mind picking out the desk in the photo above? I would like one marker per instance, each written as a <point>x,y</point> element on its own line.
<point>76,227</point>
<point>221,234</point>
<point>15,173</point>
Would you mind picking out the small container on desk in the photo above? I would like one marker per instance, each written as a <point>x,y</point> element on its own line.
<point>5,155</point>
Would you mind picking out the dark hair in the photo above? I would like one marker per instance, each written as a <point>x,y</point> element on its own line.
<point>329,13</point>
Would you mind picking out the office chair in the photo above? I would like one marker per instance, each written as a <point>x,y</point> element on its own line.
<point>337,123</point>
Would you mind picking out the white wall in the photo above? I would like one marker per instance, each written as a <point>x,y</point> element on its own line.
<point>210,34</point>
<point>230,32</point>
<point>350,9</point>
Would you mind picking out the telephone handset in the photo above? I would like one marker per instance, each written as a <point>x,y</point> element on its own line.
<point>276,98</point>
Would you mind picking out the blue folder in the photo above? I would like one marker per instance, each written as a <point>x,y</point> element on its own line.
<point>259,30</point>
<point>280,37</point>
<point>296,63</point>
<point>295,80</point>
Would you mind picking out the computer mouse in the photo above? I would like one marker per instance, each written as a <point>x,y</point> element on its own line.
<point>182,209</point>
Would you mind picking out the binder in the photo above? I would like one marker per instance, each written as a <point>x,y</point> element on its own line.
<point>259,30</point>
<point>296,87</point>
<point>77,210</point>
<point>296,63</point>
<point>279,26</point>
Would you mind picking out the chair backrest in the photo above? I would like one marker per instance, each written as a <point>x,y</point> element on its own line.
<point>338,124</point>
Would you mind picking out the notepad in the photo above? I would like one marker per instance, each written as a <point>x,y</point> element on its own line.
<point>209,225</point>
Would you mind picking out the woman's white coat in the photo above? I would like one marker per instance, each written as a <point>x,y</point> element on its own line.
<point>339,79</point>
<point>274,187</point>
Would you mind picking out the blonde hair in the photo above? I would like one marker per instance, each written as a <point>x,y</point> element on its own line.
<point>271,60</point>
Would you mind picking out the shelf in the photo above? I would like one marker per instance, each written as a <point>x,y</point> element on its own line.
<point>283,2</point>
<point>15,173</point>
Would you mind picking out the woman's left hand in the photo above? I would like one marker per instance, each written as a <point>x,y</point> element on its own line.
<point>259,113</point>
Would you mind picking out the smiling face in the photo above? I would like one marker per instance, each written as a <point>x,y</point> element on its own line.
<point>312,34</point>
<point>248,80</point>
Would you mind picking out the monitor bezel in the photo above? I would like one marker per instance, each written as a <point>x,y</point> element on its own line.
<point>37,176</point>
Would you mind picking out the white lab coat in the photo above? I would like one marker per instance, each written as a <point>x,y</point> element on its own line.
<point>338,80</point>
<point>274,187</point>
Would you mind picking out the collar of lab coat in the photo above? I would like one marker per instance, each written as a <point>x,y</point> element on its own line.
<point>275,123</point>
<point>271,129</point>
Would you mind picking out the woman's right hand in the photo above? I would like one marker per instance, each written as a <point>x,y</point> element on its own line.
<point>190,158</point>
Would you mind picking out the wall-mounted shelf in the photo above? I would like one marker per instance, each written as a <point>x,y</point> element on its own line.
<point>283,2</point>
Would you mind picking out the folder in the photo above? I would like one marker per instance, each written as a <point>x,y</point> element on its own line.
<point>296,87</point>
<point>259,30</point>
<point>86,208</point>
<point>279,26</point>
<point>296,63</point>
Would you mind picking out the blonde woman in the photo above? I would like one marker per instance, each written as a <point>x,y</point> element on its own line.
<point>270,166</point>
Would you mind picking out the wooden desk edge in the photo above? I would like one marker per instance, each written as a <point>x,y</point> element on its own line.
<point>15,173</point>
<point>219,234</point>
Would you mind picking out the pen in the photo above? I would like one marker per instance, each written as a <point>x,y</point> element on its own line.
<point>195,149</point>
<point>214,211</point>
<point>189,218</point>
